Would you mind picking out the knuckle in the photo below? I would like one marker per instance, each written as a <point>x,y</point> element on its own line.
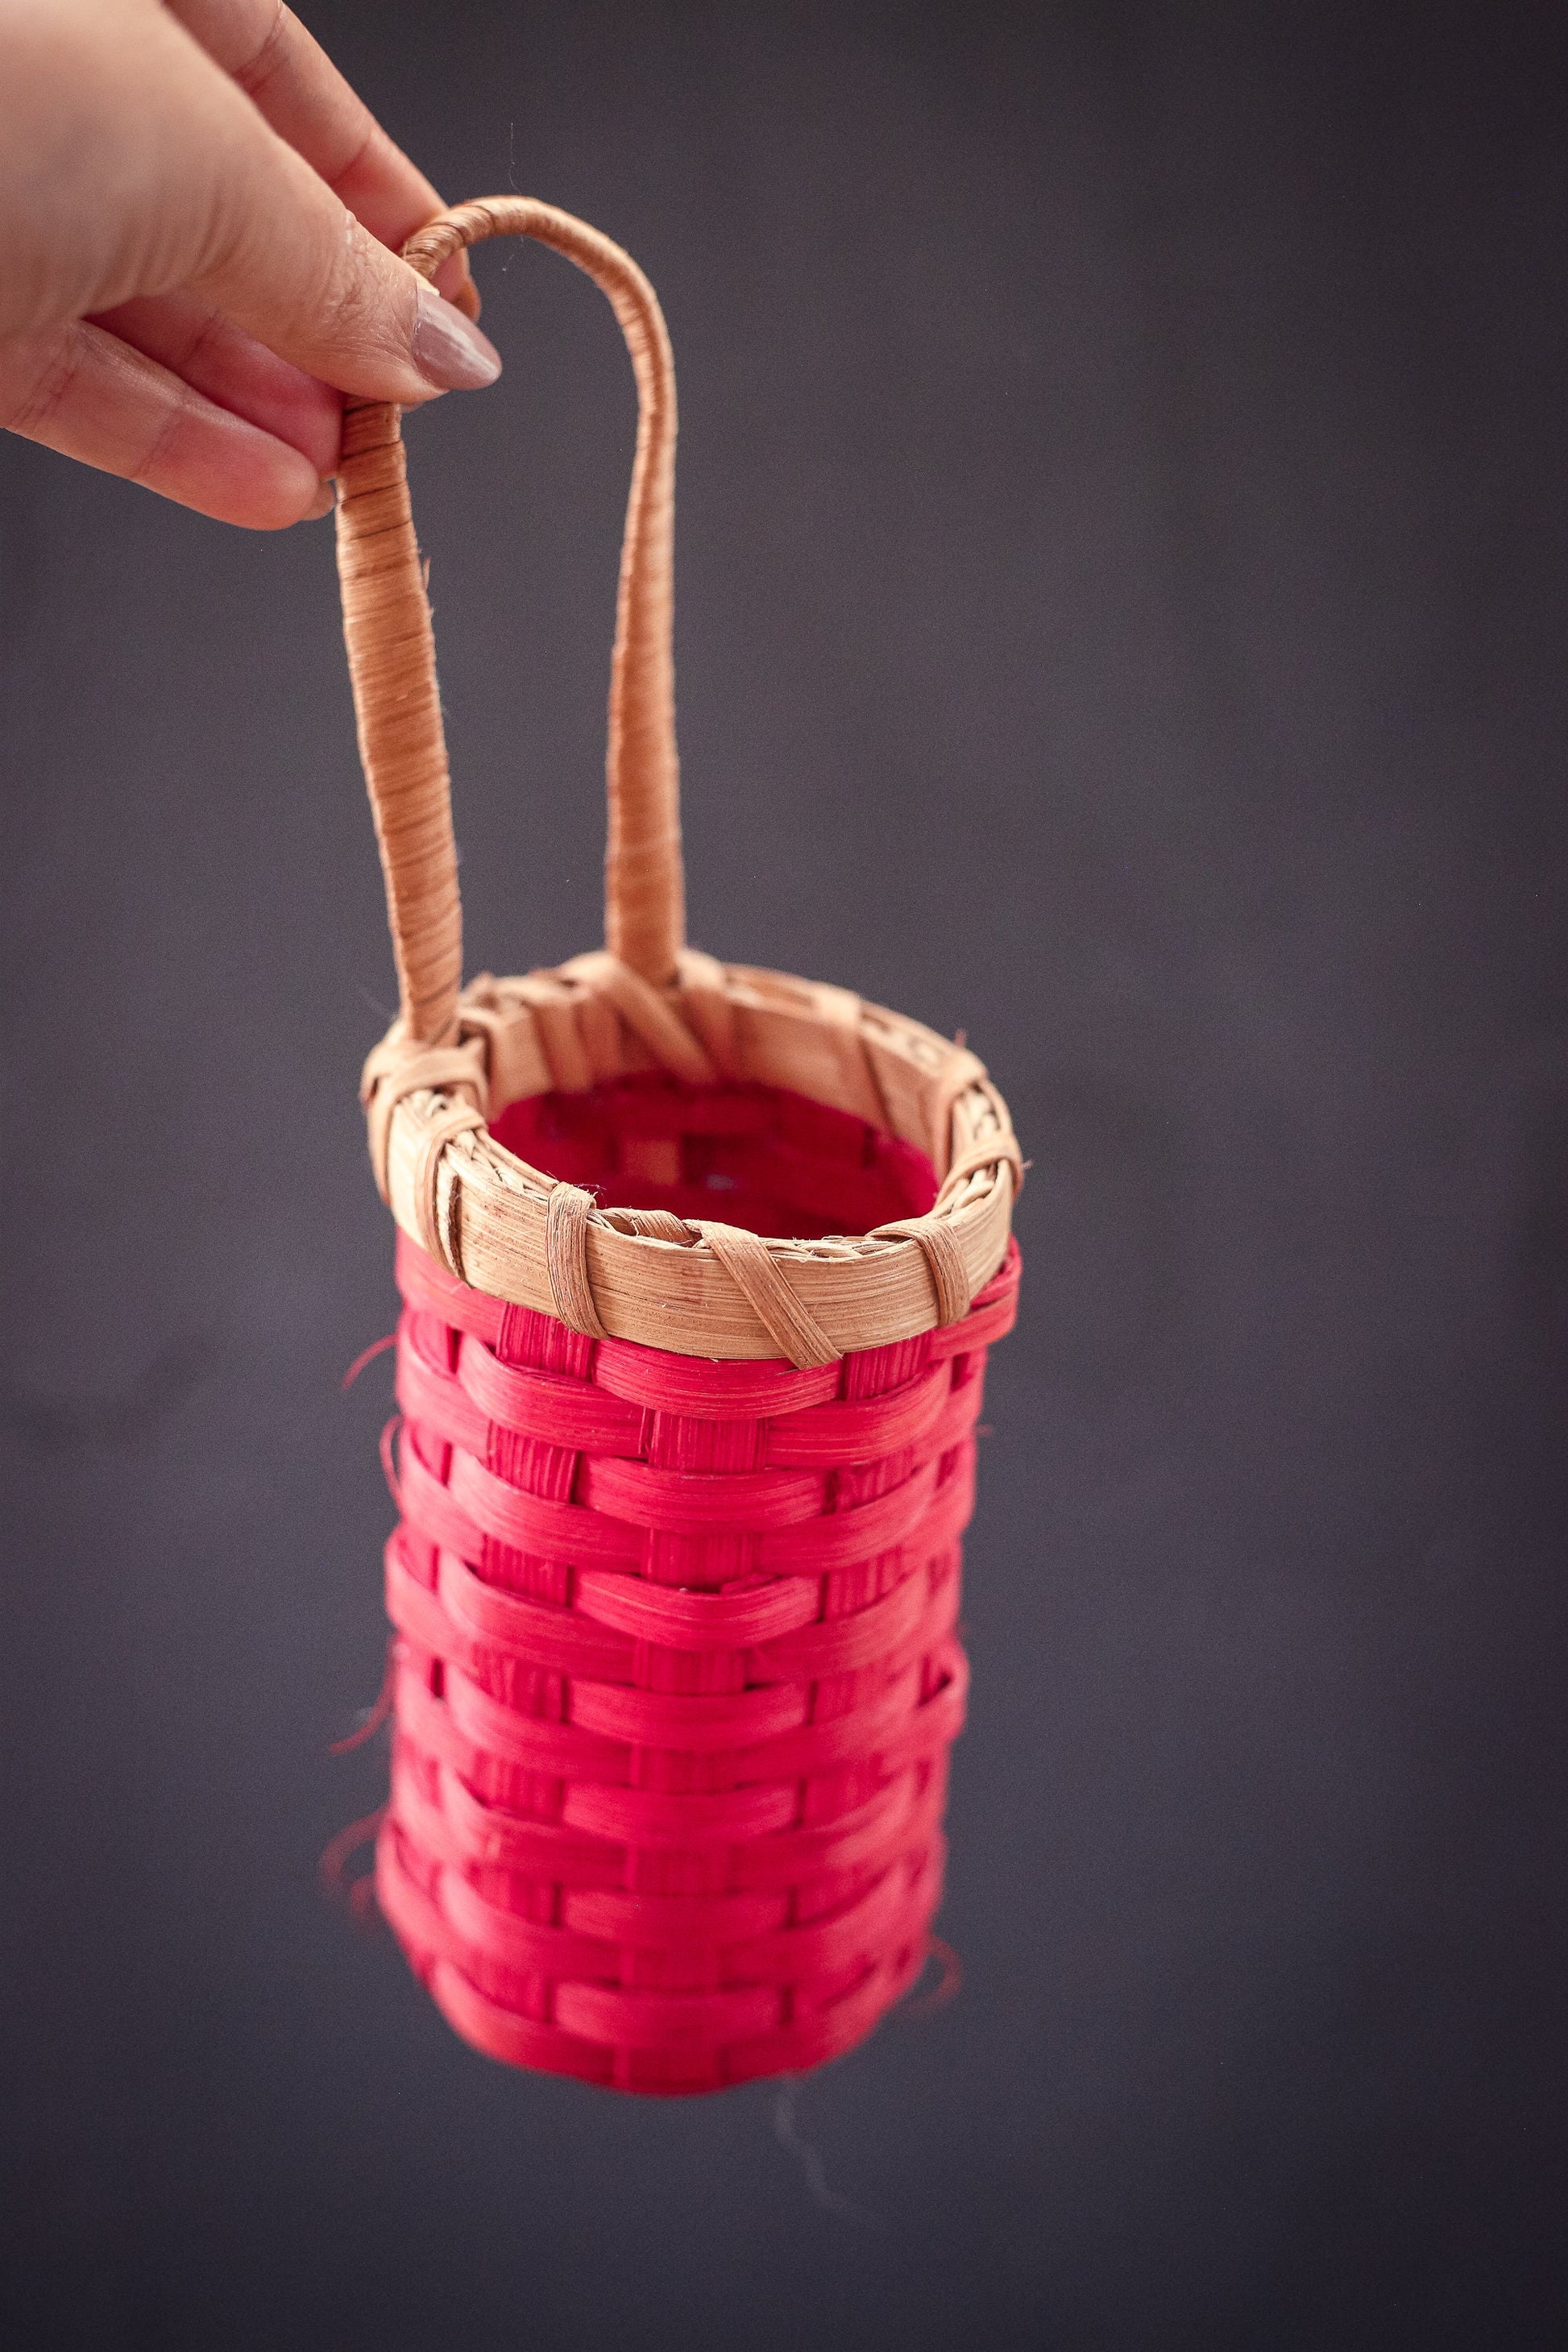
<point>158,442</point>
<point>36,375</point>
<point>268,58</point>
<point>365,314</point>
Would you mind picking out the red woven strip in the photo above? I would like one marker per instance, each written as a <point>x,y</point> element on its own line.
<point>483,1629</point>
<point>689,1384</point>
<point>759,1738</point>
<point>464,1402</point>
<point>675,1676</point>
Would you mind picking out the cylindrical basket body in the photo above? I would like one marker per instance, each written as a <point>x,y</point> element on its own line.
<point>677,1676</point>
<point>699,1265</point>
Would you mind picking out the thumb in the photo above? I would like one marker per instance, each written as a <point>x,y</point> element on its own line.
<point>286,261</point>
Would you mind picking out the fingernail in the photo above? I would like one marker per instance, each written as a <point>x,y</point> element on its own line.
<point>448,350</point>
<point>323,502</point>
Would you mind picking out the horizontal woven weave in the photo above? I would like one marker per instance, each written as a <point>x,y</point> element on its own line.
<point>677,1670</point>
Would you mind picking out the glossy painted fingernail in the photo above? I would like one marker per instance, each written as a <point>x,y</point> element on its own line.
<point>448,350</point>
<point>323,502</point>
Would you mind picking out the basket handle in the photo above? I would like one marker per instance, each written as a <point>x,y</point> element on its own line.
<point>392,652</point>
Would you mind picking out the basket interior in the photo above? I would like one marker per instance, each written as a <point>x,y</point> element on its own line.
<point>755,1156</point>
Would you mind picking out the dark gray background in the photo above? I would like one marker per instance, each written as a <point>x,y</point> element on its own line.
<point>1121,571</point>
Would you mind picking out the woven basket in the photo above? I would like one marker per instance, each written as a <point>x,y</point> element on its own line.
<point>677,1577</point>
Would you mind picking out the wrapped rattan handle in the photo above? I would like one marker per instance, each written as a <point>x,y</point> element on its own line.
<point>392,652</point>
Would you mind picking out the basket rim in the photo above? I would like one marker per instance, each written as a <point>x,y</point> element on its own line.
<point>691,1288</point>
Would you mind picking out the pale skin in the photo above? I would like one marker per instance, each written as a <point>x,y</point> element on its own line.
<point>201,225</point>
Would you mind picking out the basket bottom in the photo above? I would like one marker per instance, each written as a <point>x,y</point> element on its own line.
<point>684,2063</point>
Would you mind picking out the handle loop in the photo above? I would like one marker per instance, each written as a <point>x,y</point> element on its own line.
<point>392,652</point>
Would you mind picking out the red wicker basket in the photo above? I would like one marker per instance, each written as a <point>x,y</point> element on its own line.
<point>676,1583</point>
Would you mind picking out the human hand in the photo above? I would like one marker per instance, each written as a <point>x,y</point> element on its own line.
<point>198,214</point>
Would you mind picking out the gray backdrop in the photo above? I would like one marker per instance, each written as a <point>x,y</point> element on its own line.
<point>1121,537</point>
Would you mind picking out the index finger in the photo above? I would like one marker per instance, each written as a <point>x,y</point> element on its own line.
<point>290,79</point>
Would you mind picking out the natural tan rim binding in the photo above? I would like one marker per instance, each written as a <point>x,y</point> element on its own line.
<point>454,1057</point>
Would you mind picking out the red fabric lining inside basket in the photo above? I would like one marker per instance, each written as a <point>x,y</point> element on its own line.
<point>677,1669</point>
<point>755,1156</point>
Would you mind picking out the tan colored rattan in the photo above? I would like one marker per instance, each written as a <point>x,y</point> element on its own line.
<point>646,1001</point>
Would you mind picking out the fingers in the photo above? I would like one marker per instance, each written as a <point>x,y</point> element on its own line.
<point>288,263</point>
<point>300,91</point>
<point>196,341</point>
<point>137,167</point>
<point>80,389</point>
